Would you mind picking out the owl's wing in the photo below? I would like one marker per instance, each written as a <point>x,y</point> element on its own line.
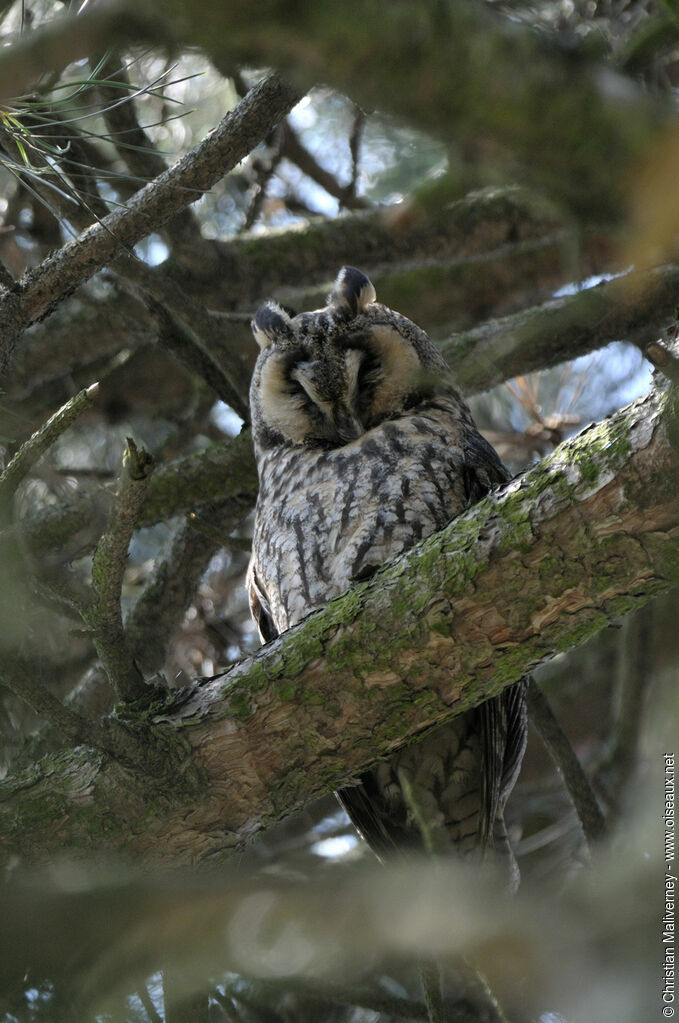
<point>502,719</point>
<point>260,608</point>
<point>504,724</point>
<point>382,825</point>
<point>482,469</point>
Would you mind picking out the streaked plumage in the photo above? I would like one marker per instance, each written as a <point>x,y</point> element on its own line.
<point>363,448</point>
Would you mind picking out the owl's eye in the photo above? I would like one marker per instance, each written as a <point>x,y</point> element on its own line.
<point>296,372</point>
<point>369,372</point>
<point>303,378</point>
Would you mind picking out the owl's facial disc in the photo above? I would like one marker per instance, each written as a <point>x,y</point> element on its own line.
<point>328,376</point>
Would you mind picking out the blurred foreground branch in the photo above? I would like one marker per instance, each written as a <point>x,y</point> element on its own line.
<point>331,940</point>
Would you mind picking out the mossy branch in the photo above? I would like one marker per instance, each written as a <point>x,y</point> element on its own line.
<point>103,613</point>
<point>589,534</point>
<point>634,307</point>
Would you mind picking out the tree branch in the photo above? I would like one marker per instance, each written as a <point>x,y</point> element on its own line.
<point>418,231</point>
<point>187,330</point>
<point>224,473</point>
<point>41,289</point>
<point>447,625</point>
<point>168,593</point>
<point>103,613</point>
<point>574,778</point>
<point>634,307</point>
<point>17,675</point>
<point>139,153</point>
<point>29,452</point>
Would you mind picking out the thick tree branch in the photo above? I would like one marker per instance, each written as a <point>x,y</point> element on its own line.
<point>41,289</point>
<point>418,231</point>
<point>591,533</point>
<point>634,307</point>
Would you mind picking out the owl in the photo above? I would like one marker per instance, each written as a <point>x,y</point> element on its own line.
<point>363,448</point>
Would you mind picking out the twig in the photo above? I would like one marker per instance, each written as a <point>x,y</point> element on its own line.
<point>560,750</point>
<point>103,614</point>
<point>30,451</point>
<point>634,672</point>
<point>292,148</point>
<point>174,489</point>
<point>57,276</point>
<point>354,148</point>
<point>265,167</point>
<point>53,187</point>
<point>434,836</point>
<point>149,1008</point>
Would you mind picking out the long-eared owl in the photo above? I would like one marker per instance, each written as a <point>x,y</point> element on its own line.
<point>363,448</point>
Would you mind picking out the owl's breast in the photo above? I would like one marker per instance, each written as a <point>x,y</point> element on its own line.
<point>325,519</point>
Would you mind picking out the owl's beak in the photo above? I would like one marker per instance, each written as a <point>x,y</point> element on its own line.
<point>348,427</point>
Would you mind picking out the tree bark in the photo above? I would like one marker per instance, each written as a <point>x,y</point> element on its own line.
<point>590,533</point>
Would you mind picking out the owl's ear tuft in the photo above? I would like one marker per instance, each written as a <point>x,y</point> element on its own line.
<point>353,291</point>
<point>271,324</point>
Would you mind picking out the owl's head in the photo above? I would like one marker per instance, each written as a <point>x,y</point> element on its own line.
<point>325,377</point>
